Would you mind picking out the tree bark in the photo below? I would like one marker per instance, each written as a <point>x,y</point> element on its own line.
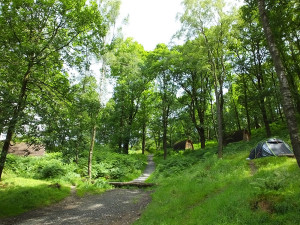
<point>165,129</point>
<point>15,118</point>
<point>235,110</point>
<point>277,98</point>
<point>293,82</point>
<point>246,105</point>
<point>91,152</point>
<point>143,138</point>
<point>218,92</point>
<point>264,115</point>
<point>201,132</point>
<point>220,122</point>
<point>126,146</point>
<point>199,127</point>
<point>287,100</point>
<point>212,117</point>
<point>260,88</point>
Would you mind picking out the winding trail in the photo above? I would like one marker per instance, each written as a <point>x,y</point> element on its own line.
<point>114,207</point>
<point>148,171</point>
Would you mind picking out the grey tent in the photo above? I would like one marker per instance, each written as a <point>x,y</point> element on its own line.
<point>271,147</point>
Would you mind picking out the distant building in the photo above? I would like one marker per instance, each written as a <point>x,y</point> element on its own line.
<point>183,145</point>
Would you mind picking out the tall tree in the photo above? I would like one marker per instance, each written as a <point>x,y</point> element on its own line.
<point>38,40</point>
<point>146,109</point>
<point>160,64</point>
<point>192,74</point>
<point>287,100</point>
<point>126,63</point>
<point>208,20</point>
<point>254,60</point>
<point>283,21</point>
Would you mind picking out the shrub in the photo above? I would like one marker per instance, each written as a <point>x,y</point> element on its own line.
<point>118,167</point>
<point>101,183</point>
<point>52,169</point>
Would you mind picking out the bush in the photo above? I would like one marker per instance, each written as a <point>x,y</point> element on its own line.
<point>52,169</point>
<point>175,165</point>
<point>101,183</point>
<point>97,187</point>
<point>118,167</point>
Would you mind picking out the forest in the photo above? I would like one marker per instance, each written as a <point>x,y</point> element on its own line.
<point>237,69</point>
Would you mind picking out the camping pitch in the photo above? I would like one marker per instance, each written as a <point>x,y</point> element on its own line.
<point>271,147</point>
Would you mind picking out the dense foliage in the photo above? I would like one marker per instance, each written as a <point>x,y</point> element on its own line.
<point>107,166</point>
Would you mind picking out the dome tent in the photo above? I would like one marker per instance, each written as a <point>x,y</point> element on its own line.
<point>271,147</point>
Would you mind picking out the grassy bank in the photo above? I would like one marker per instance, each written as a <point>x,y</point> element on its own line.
<point>199,188</point>
<point>18,195</point>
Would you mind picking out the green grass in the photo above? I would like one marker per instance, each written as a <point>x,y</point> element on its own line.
<point>86,187</point>
<point>18,195</point>
<point>230,190</point>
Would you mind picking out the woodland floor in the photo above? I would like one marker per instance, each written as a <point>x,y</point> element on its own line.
<point>114,207</point>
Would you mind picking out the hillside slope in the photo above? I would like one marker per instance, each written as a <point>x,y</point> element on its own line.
<point>199,188</point>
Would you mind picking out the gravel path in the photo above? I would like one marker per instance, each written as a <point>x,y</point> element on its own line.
<point>147,172</point>
<point>114,207</point>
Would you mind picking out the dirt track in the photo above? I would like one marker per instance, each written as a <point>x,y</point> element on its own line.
<point>114,207</point>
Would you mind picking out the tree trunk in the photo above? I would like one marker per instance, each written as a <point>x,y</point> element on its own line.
<point>287,100</point>
<point>165,128</point>
<point>143,138</point>
<point>127,139</point>
<point>165,142</point>
<point>76,153</point>
<point>126,146</point>
<point>256,123</point>
<point>246,105</point>
<point>235,111</point>
<point>290,73</point>
<point>264,115</point>
<point>91,152</point>
<point>277,98</point>
<point>220,122</point>
<point>295,61</point>
<point>199,127</point>
<point>260,88</point>
<point>201,117</point>
<point>120,132</point>
<point>213,118</point>
<point>165,115</point>
<point>202,131</point>
<point>202,137</point>
<point>158,140</point>
<point>15,118</point>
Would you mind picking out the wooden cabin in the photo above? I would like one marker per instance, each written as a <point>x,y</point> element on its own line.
<point>183,145</point>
